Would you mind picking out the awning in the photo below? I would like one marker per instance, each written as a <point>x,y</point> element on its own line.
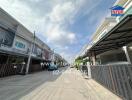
<point>12,53</point>
<point>3,52</point>
<point>117,37</point>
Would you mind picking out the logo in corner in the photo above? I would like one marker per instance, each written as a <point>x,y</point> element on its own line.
<point>117,11</point>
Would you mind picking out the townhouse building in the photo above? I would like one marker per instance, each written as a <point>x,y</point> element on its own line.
<point>17,44</point>
<point>111,51</point>
<point>111,43</point>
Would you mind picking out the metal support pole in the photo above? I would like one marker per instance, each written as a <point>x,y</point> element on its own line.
<point>94,58</point>
<point>89,71</point>
<point>30,54</point>
<point>125,48</point>
<point>90,59</point>
<point>29,59</point>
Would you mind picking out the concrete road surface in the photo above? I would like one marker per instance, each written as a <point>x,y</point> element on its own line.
<point>69,84</point>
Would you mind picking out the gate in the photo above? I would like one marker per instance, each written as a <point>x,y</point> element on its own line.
<point>117,78</point>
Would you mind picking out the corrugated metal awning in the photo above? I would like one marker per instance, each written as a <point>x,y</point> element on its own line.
<point>117,37</point>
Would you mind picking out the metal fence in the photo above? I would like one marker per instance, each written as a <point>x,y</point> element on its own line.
<point>10,69</point>
<point>15,69</point>
<point>117,78</point>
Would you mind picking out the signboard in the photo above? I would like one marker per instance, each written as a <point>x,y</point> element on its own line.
<point>6,37</point>
<point>20,45</point>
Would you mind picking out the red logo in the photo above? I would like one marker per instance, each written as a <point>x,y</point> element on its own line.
<point>117,11</point>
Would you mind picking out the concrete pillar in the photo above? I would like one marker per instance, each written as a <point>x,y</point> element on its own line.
<point>125,48</point>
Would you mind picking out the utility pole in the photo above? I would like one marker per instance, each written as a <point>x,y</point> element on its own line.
<point>53,56</point>
<point>30,53</point>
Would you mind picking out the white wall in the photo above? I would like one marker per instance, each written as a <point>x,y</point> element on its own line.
<point>112,56</point>
<point>24,42</point>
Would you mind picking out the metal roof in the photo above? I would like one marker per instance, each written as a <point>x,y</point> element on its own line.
<point>117,37</point>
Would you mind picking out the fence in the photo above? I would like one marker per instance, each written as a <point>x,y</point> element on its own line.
<point>15,69</point>
<point>9,69</point>
<point>117,78</point>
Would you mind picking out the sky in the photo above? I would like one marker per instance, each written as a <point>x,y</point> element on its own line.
<point>65,25</point>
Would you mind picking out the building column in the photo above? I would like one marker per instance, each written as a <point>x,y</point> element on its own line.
<point>125,48</point>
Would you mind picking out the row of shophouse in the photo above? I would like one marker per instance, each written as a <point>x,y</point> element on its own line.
<point>109,55</point>
<point>20,46</point>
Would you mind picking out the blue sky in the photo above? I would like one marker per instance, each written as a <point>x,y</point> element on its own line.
<point>65,25</point>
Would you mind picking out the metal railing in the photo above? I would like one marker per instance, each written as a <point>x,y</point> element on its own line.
<point>117,78</point>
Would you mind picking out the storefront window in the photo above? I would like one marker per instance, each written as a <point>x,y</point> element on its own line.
<point>6,37</point>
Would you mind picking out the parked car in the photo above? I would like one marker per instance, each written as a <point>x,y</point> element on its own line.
<point>53,66</point>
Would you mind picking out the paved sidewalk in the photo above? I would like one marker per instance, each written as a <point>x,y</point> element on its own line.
<point>70,85</point>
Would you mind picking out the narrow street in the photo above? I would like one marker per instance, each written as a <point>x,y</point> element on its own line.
<point>68,85</point>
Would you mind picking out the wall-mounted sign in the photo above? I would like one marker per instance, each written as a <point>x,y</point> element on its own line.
<point>117,11</point>
<point>20,45</point>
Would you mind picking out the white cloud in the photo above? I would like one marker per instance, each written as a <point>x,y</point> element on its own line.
<point>60,15</point>
<point>62,12</point>
<point>57,36</point>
